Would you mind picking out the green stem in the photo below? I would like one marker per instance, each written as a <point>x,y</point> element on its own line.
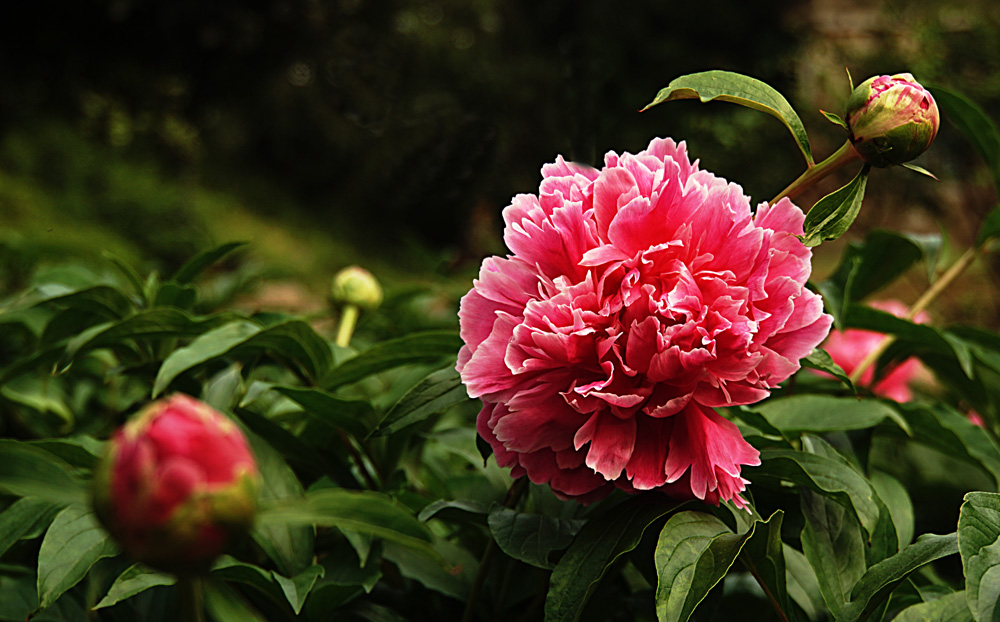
<point>191,598</point>
<point>841,157</point>
<point>926,299</point>
<point>514,494</point>
<point>348,320</point>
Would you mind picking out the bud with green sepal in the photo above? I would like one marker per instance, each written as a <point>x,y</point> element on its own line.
<point>177,485</point>
<point>891,119</point>
<point>353,288</point>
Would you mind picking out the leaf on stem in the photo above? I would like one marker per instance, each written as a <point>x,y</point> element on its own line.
<point>979,546</point>
<point>833,215</point>
<point>977,126</point>
<point>737,89</point>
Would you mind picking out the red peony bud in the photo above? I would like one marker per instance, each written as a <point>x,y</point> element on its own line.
<point>891,119</point>
<point>177,484</point>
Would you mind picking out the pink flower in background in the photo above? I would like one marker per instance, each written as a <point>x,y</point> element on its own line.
<point>848,348</point>
<point>636,300</point>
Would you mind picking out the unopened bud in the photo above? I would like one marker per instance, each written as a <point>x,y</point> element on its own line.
<point>891,119</point>
<point>177,485</point>
<point>356,286</point>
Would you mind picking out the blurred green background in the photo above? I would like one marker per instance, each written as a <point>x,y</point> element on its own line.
<point>392,133</point>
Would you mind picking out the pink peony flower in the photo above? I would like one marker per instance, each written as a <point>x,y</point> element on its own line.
<point>177,484</point>
<point>848,348</point>
<point>637,299</point>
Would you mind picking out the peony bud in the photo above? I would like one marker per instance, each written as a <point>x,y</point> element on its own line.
<point>891,119</point>
<point>177,485</point>
<point>356,286</point>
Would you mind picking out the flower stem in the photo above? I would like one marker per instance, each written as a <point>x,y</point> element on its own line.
<point>926,299</point>
<point>514,494</point>
<point>191,598</point>
<point>767,591</point>
<point>348,320</point>
<point>841,157</point>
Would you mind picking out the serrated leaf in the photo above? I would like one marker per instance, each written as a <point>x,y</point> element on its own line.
<point>363,511</point>
<point>598,544</point>
<point>973,122</point>
<point>693,553</point>
<point>413,348</point>
<point>737,89</point>
<point>134,580</point>
<point>531,538</point>
<point>825,413</point>
<point>833,215</point>
<point>28,471</point>
<point>874,588</point>
<point>74,542</point>
<point>199,263</point>
<point>439,390</point>
<point>979,546</point>
<point>948,608</point>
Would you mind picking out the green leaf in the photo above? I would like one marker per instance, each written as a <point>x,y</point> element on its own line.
<point>420,347</point>
<point>833,544</point>
<point>874,588</point>
<point>833,215</point>
<point>825,413</point>
<point>21,518</point>
<point>157,323</point>
<point>28,471</point>
<point>289,546</point>
<point>764,557</point>
<point>294,340</point>
<point>326,408</point>
<point>827,476</point>
<point>834,118</point>
<point>363,511</point>
<point>977,126</point>
<point>199,263</point>
<point>990,227</point>
<point>882,257</point>
<point>297,588</point>
<point>447,568</point>
<point>226,605</point>
<point>694,552</point>
<point>919,169</point>
<point>73,543</point>
<point>953,434</point>
<point>598,544</point>
<point>979,545</point>
<point>949,608</point>
<point>821,360</point>
<point>136,578</point>
<point>737,89</point>
<point>531,538</point>
<point>897,501</point>
<point>102,300</point>
<point>439,390</point>
<point>803,587</point>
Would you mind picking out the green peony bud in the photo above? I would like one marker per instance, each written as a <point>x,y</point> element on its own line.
<point>177,485</point>
<point>891,119</point>
<point>356,286</point>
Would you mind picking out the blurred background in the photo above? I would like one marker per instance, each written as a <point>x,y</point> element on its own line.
<point>392,133</point>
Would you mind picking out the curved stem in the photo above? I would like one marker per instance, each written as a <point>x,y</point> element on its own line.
<point>348,320</point>
<point>926,299</point>
<point>841,157</point>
